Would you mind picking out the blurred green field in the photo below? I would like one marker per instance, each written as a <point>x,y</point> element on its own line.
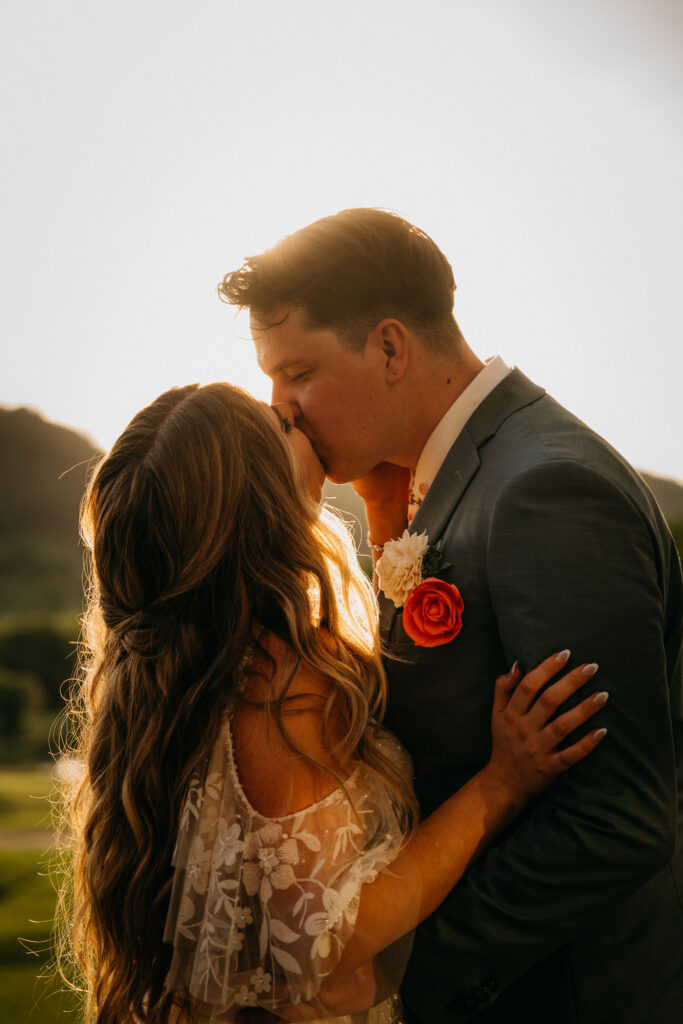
<point>27,901</point>
<point>24,804</point>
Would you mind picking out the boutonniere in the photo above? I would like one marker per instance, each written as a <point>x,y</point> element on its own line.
<point>407,573</point>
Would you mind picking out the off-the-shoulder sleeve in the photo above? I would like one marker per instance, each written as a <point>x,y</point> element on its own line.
<point>261,908</point>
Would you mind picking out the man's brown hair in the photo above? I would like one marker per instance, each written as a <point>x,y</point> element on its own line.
<point>349,271</point>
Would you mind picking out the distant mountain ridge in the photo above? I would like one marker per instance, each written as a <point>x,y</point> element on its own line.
<point>669,495</point>
<point>43,473</point>
<point>43,469</point>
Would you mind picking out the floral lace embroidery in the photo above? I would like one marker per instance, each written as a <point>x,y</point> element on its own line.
<point>261,908</point>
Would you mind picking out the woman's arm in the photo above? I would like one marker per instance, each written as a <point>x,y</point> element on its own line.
<point>525,759</point>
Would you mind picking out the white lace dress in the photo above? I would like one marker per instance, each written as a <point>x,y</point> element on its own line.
<point>261,908</point>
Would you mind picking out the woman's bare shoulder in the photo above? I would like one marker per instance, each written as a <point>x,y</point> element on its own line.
<point>277,779</point>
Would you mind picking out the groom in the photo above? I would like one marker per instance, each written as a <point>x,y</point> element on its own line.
<point>553,541</point>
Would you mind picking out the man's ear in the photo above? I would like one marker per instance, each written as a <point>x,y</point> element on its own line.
<point>392,342</point>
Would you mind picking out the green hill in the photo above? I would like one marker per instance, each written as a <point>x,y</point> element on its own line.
<point>669,495</point>
<point>43,469</point>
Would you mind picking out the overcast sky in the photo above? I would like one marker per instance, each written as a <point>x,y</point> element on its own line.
<point>148,147</point>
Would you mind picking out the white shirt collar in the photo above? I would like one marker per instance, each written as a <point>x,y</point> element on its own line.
<point>449,427</point>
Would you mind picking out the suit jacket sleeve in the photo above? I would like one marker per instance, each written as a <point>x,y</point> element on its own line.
<point>571,563</point>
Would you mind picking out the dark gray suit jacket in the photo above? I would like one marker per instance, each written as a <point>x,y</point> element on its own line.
<point>575,916</point>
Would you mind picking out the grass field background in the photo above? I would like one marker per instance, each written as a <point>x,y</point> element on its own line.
<point>27,903</point>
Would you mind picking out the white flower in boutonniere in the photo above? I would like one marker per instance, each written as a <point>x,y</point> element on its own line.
<point>399,570</point>
<point>406,572</point>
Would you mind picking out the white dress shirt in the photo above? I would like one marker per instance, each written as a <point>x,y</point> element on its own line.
<point>445,433</point>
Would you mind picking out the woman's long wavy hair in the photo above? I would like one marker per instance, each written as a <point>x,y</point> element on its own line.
<point>200,533</point>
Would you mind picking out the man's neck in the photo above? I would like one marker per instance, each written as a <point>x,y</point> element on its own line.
<point>433,394</point>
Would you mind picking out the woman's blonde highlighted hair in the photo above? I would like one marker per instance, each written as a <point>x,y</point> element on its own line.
<point>200,533</point>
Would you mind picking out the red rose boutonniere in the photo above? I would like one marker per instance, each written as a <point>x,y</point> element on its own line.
<point>433,613</point>
<point>432,608</point>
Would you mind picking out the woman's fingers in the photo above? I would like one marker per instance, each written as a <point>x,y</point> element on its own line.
<point>532,697</point>
<point>554,696</point>
<point>505,687</point>
<point>559,728</point>
<point>530,722</point>
<point>563,759</point>
<point>533,682</point>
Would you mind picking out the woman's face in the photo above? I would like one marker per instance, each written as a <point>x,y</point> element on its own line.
<point>310,466</point>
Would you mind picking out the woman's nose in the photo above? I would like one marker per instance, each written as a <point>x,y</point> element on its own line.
<point>285,411</point>
<point>290,410</point>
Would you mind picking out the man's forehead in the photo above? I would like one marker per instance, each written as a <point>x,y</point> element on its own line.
<point>277,349</point>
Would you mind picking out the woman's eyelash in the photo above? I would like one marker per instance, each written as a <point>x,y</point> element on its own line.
<point>299,376</point>
<point>285,423</point>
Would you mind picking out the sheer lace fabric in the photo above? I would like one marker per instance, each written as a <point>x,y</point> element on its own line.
<point>261,908</point>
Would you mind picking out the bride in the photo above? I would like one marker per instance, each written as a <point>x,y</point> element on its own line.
<point>245,831</point>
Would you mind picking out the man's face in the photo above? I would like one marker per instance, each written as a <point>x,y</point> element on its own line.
<point>337,393</point>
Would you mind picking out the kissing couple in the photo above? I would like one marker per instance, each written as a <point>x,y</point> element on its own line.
<point>291,780</point>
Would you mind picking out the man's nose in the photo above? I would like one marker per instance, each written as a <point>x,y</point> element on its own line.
<point>281,393</point>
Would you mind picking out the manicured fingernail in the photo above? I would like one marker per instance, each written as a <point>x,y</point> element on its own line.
<point>599,733</point>
<point>514,668</point>
<point>590,670</point>
<point>601,698</point>
<point>563,657</point>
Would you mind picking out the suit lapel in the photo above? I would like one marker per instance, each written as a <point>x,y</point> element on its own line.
<point>458,468</point>
<point>512,394</point>
<point>461,465</point>
<point>463,461</point>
